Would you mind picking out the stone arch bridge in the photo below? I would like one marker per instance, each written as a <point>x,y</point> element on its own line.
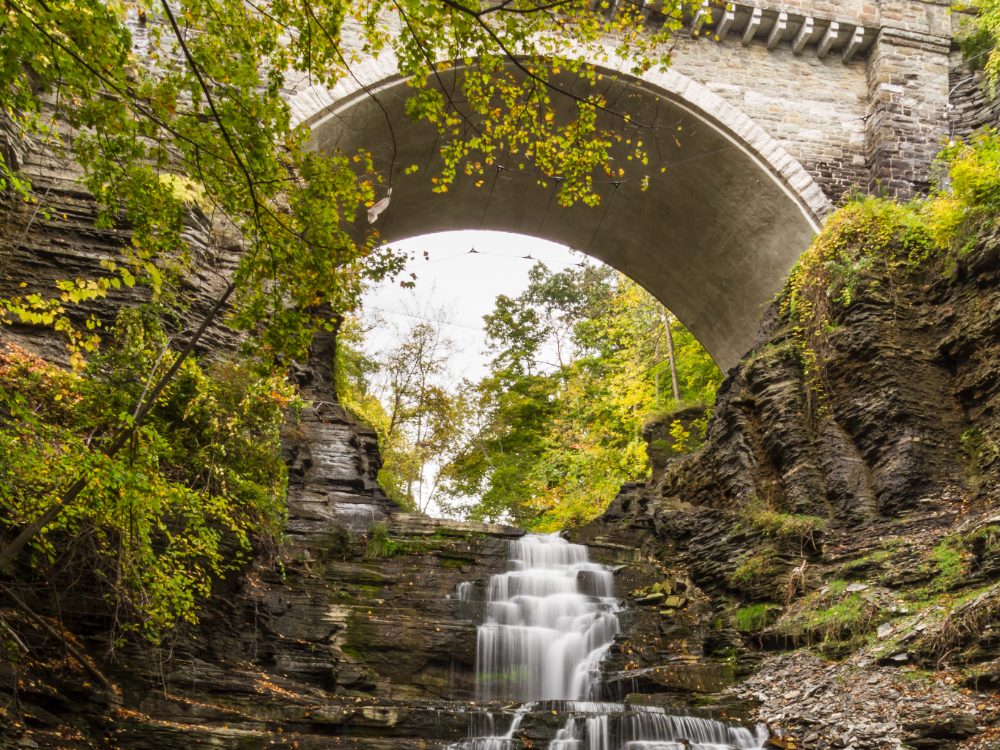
<point>784,106</point>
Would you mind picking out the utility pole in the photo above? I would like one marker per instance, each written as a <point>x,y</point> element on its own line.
<point>670,355</point>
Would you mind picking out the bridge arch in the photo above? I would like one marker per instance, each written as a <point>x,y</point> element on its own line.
<point>712,237</point>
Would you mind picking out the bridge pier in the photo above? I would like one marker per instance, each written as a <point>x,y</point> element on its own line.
<point>907,112</point>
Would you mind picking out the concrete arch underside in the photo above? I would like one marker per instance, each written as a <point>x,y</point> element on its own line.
<point>712,237</point>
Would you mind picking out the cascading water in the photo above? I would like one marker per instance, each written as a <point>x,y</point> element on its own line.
<point>549,623</point>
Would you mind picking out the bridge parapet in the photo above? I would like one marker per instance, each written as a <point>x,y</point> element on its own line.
<point>876,123</point>
<point>923,16</point>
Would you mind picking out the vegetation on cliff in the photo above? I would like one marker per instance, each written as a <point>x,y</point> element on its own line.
<point>199,489</point>
<point>873,243</point>
<point>403,393</point>
<point>981,43</point>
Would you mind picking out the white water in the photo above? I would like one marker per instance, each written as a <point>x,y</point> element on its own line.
<point>488,739</point>
<point>549,623</point>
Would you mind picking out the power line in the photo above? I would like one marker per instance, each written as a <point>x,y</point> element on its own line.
<point>424,318</point>
<point>487,253</point>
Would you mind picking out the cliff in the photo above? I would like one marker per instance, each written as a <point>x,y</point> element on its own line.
<point>845,505</point>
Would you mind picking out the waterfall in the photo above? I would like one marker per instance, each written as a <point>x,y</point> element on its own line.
<point>549,622</point>
<point>485,731</point>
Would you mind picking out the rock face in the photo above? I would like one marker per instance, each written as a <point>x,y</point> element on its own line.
<point>57,239</point>
<point>354,631</point>
<point>855,512</point>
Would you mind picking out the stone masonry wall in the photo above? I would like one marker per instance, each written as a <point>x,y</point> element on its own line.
<point>972,106</point>
<point>814,108</point>
<point>907,115</point>
<point>849,119</point>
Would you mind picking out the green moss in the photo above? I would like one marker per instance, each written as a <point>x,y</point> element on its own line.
<point>983,542</point>
<point>351,651</point>
<point>949,561</point>
<point>836,587</point>
<point>381,545</point>
<point>873,560</point>
<point>755,617</point>
<point>359,636</point>
<point>833,617</point>
<point>842,616</point>
<point>946,565</point>
<point>979,451</point>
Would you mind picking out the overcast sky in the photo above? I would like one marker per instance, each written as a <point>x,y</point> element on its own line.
<point>464,282</point>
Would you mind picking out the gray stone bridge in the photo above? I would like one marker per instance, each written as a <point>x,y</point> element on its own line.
<point>784,106</point>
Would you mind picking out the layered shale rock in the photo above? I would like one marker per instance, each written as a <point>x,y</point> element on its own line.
<point>851,509</point>
<point>59,237</point>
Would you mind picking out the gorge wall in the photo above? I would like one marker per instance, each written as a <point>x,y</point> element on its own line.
<point>852,507</point>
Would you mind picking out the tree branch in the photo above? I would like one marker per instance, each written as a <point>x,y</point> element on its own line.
<point>534,76</point>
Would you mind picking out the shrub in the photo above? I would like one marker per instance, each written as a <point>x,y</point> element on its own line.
<point>967,202</point>
<point>379,544</point>
<point>200,484</point>
<point>787,525</point>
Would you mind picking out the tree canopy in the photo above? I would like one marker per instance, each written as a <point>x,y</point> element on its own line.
<point>170,107</point>
<point>173,105</point>
<point>580,363</point>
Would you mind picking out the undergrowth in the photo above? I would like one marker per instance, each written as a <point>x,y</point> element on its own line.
<point>755,617</point>
<point>872,244</point>
<point>199,487</point>
<point>380,544</point>
<point>833,616</point>
<point>788,526</point>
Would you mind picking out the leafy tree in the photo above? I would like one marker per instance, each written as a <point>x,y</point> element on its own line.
<point>557,424</point>
<point>197,491</point>
<point>191,117</point>
<point>403,396</point>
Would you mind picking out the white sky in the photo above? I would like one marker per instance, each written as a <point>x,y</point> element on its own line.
<point>465,283</point>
